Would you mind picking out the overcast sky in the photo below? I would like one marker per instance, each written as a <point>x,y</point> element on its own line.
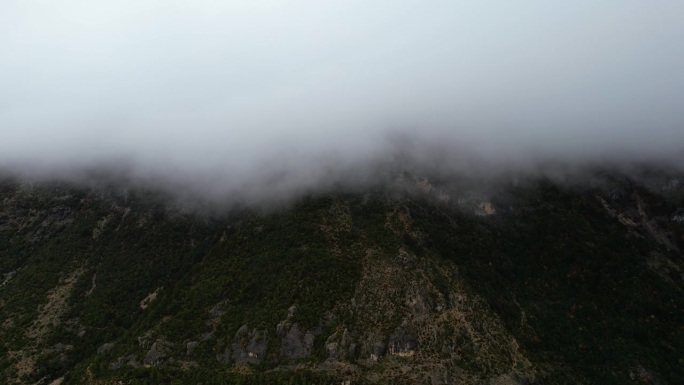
<point>232,90</point>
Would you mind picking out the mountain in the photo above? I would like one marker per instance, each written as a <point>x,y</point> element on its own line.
<point>424,280</point>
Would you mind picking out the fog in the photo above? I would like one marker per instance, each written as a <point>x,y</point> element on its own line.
<point>261,97</point>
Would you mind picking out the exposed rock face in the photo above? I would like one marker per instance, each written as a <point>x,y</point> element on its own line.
<point>249,346</point>
<point>340,345</point>
<point>678,215</point>
<point>145,302</point>
<point>130,361</point>
<point>402,344</point>
<point>294,343</point>
<point>158,353</point>
<point>645,376</point>
<point>105,347</point>
<point>190,347</point>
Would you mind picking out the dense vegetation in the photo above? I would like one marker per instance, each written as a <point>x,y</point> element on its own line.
<point>590,299</point>
<point>122,287</point>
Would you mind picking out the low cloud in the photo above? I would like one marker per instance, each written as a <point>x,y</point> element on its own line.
<point>262,98</point>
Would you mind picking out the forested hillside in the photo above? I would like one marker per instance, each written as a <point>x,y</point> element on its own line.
<point>422,281</point>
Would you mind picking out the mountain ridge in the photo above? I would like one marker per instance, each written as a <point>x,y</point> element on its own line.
<point>430,281</point>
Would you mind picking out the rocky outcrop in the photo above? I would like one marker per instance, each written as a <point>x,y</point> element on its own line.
<point>295,343</point>
<point>249,346</point>
<point>678,215</point>
<point>402,344</point>
<point>340,345</point>
<point>105,347</point>
<point>190,347</point>
<point>158,353</point>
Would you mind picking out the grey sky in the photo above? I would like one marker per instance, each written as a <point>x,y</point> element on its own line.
<point>231,90</point>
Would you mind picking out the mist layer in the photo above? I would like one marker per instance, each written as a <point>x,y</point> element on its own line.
<point>239,96</point>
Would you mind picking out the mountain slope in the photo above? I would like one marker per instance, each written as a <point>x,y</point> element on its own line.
<point>417,282</point>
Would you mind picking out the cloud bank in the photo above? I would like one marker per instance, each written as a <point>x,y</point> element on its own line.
<point>241,95</point>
